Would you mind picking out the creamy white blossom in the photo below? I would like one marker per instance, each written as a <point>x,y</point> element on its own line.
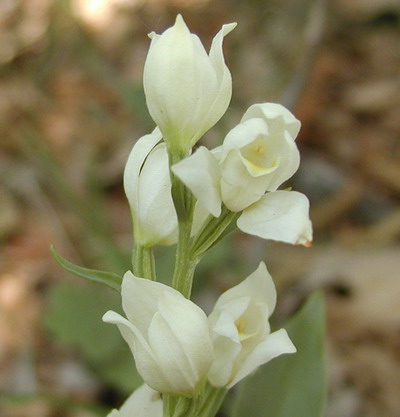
<point>241,332</point>
<point>256,157</point>
<point>167,334</point>
<point>144,402</point>
<point>148,189</point>
<point>187,90</point>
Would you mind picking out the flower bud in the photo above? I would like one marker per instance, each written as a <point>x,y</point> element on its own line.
<point>240,330</point>
<point>187,91</point>
<point>167,334</point>
<point>144,402</point>
<point>148,189</point>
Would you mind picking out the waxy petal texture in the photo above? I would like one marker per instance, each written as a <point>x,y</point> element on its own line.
<point>144,402</point>
<point>187,90</point>
<point>281,216</point>
<point>167,333</point>
<point>276,344</point>
<point>200,173</point>
<point>240,330</point>
<point>148,188</point>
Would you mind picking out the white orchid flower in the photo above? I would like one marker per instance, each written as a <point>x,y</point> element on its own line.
<point>241,332</point>
<point>256,157</point>
<point>144,402</point>
<point>187,91</point>
<point>148,189</point>
<point>167,334</point>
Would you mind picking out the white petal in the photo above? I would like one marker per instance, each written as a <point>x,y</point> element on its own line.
<point>200,173</point>
<point>243,134</point>
<point>222,95</point>
<point>231,302</point>
<point>226,348</point>
<point>178,77</point>
<point>239,189</point>
<point>277,117</point>
<point>140,298</point>
<point>157,220</point>
<point>144,402</point>
<point>281,216</point>
<point>136,158</point>
<point>258,286</point>
<point>146,363</point>
<point>187,91</point>
<point>289,161</point>
<point>171,357</point>
<point>274,345</point>
<point>180,340</point>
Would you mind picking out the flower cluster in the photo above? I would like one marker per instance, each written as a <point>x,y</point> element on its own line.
<point>176,347</point>
<point>178,350</point>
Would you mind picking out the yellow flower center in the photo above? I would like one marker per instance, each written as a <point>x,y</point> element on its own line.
<point>257,160</point>
<point>240,324</point>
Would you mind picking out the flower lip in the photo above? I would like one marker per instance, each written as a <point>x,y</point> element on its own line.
<point>258,158</point>
<point>241,332</point>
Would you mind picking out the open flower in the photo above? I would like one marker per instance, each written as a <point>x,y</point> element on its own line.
<point>240,330</point>
<point>148,189</point>
<point>187,91</point>
<point>144,402</point>
<point>256,157</point>
<point>167,334</point>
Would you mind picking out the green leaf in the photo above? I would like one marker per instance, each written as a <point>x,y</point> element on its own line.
<point>108,278</point>
<point>291,385</point>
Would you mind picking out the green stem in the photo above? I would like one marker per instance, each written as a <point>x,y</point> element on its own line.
<point>212,403</point>
<point>143,262</point>
<point>212,231</point>
<point>176,406</point>
<point>206,404</point>
<point>182,279</point>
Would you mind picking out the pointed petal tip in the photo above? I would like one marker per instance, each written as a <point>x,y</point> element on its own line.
<point>262,266</point>
<point>228,27</point>
<point>109,316</point>
<point>180,23</point>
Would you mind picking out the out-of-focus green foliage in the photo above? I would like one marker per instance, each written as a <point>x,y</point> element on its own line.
<point>74,317</point>
<point>291,385</point>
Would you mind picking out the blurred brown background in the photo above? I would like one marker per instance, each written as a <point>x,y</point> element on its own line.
<point>72,105</point>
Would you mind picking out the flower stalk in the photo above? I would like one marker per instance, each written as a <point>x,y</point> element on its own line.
<point>184,269</point>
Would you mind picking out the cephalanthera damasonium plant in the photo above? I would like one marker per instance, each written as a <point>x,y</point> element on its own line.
<point>189,361</point>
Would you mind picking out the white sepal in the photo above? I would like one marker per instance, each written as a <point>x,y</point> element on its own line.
<point>240,330</point>
<point>279,118</point>
<point>200,173</point>
<point>144,402</point>
<point>281,216</point>
<point>148,188</point>
<point>167,333</point>
<point>187,90</point>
